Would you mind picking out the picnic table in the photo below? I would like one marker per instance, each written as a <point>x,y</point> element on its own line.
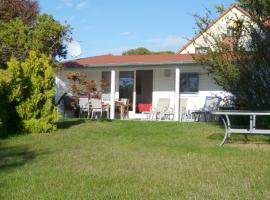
<point>225,116</point>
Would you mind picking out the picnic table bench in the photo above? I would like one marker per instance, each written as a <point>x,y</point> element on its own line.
<point>225,116</point>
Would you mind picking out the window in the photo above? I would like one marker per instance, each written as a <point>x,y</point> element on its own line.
<point>230,31</point>
<point>189,82</point>
<point>106,80</point>
<point>126,85</point>
<point>201,50</point>
<point>233,27</point>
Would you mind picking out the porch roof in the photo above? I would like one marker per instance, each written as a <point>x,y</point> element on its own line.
<point>130,60</point>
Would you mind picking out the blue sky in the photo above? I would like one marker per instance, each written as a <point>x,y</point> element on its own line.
<point>113,26</point>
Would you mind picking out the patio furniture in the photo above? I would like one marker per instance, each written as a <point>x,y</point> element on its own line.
<point>64,105</point>
<point>106,108</point>
<point>146,110</point>
<point>169,114</point>
<point>124,108</point>
<point>252,123</point>
<point>211,104</point>
<point>162,108</point>
<point>148,115</point>
<point>96,107</point>
<point>144,107</point>
<point>84,106</point>
<point>183,108</point>
<point>106,98</point>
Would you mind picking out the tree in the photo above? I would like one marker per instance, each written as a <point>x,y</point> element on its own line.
<point>31,93</point>
<point>25,10</point>
<point>46,36</point>
<point>138,51</point>
<point>144,51</point>
<point>240,63</point>
<point>256,7</point>
<point>30,45</point>
<point>4,106</point>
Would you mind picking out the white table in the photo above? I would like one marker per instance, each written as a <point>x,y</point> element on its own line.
<point>252,123</point>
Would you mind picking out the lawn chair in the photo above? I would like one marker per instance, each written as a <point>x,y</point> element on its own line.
<point>162,110</point>
<point>106,98</point>
<point>183,108</point>
<point>169,113</point>
<point>96,107</point>
<point>211,104</point>
<point>84,107</point>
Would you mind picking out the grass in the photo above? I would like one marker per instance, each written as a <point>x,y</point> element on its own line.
<point>134,160</point>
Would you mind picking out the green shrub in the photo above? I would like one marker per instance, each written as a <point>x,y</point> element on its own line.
<point>3,103</point>
<point>31,92</point>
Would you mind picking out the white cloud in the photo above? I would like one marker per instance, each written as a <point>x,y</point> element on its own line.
<point>115,51</point>
<point>166,43</point>
<point>81,5</point>
<point>75,4</point>
<point>68,3</point>
<point>126,33</point>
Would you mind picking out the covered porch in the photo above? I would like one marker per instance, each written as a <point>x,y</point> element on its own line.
<point>144,80</point>
<point>144,88</point>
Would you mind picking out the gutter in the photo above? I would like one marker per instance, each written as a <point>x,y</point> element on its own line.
<point>137,65</point>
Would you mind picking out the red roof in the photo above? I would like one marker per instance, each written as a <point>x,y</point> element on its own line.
<point>129,60</point>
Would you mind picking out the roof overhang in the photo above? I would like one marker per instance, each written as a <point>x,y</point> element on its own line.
<point>133,65</point>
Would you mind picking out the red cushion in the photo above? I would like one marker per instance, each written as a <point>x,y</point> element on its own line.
<point>144,107</point>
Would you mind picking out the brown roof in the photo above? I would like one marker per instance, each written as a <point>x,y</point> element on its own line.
<point>129,60</point>
<point>211,24</point>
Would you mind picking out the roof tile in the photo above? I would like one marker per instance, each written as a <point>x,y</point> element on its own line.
<point>129,60</point>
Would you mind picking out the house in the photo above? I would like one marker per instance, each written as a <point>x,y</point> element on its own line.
<point>144,79</point>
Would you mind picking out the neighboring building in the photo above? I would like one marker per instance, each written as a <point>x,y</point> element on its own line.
<point>151,77</point>
<point>223,26</point>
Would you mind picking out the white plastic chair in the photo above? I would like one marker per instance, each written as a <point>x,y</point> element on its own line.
<point>84,106</point>
<point>96,107</point>
<point>183,108</point>
<point>161,109</point>
<point>106,98</point>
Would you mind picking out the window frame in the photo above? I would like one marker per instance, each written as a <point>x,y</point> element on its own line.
<point>189,74</point>
<point>201,50</point>
<point>230,31</point>
<point>103,77</point>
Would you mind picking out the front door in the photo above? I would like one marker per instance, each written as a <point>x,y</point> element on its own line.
<point>144,90</point>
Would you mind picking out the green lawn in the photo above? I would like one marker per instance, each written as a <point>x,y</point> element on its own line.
<point>134,160</point>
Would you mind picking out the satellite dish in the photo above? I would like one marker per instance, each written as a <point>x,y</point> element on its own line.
<point>74,48</point>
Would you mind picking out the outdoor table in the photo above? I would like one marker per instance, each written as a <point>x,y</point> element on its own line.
<point>252,123</point>
<point>122,108</point>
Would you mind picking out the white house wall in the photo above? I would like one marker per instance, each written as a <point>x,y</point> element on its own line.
<point>63,84</point>
<point>163,86</point>
<point>219,28</point>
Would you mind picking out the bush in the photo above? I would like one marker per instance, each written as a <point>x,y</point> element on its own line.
<point>3,103</point>
<point>31,94</point>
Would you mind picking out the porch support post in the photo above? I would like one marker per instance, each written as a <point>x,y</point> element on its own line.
<point>177,95</point>
<point>112,103</point>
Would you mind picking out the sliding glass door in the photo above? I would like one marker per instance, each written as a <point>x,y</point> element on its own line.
<point>144,90</point>
<point>126,85</point>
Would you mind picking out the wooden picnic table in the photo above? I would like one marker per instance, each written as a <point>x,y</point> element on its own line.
<point>225,116</point>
